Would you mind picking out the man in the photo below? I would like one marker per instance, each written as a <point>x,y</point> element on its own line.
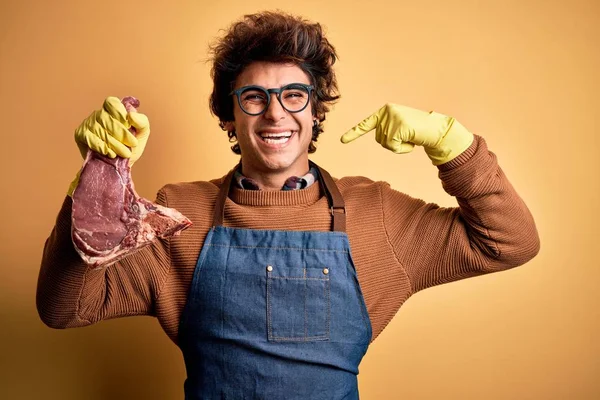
<point>287,275</point>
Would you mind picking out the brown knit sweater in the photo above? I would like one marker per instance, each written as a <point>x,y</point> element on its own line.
<point>400,245</point>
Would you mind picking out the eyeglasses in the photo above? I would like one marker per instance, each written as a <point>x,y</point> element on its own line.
<point>254,100</point>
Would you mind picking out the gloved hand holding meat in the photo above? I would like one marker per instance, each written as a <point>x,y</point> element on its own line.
<point>109,219</point>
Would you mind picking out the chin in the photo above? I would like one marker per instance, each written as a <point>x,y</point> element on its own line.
<point>277,164</point>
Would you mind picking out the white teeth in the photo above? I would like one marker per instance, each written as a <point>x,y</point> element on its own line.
<point>276,135</point>
<point>276,140</point>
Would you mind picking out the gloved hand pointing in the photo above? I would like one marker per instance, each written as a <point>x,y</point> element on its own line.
<point>399,128</point>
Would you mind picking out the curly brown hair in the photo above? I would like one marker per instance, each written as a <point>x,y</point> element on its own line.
<point>273,37</point>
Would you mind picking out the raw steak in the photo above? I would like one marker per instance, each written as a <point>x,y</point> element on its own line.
<point>109,219</point>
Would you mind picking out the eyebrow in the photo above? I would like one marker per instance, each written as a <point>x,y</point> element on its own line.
<point>285,84</point>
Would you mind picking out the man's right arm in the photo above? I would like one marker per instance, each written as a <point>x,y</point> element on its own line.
<point>70,293</point>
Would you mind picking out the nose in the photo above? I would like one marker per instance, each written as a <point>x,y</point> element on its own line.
<point>275,111</point>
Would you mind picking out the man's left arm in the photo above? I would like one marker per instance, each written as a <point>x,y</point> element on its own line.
<point>491,230</point>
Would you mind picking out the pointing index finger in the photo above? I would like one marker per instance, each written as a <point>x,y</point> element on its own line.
<point>365,126</point>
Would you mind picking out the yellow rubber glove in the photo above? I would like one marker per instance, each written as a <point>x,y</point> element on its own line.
<point>106,131</point>
<point>399,128</point>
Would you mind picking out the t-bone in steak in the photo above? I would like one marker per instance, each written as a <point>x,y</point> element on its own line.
<point>109,219</point>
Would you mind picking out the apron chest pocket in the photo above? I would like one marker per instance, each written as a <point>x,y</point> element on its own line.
<point>298,303</point>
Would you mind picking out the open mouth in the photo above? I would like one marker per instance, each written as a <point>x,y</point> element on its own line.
<point>276,138</point>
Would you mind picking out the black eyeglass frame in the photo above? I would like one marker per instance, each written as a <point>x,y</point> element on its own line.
<point>267,92</point>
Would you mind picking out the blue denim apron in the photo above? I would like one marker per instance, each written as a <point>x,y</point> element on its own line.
<point>275,314</point>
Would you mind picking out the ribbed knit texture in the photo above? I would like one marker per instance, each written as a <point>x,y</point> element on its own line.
<point>400,245</point>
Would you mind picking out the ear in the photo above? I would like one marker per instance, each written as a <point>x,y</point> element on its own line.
<point>229,126</point>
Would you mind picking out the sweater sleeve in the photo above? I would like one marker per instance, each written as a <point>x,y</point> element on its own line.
<point>70,294</point>
<point>491,229</point>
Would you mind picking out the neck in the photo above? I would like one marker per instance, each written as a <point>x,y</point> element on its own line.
<point>270,180</point>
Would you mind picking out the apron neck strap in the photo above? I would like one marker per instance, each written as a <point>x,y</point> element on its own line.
<point>335,200</point>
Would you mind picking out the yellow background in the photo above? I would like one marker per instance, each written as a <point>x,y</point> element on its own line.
<point>523,74</point>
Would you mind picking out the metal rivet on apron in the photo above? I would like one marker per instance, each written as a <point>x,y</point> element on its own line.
<point>325,271</point>
<point>269,268</point>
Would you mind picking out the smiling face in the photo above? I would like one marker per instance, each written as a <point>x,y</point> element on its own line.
<point>275,142</point>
